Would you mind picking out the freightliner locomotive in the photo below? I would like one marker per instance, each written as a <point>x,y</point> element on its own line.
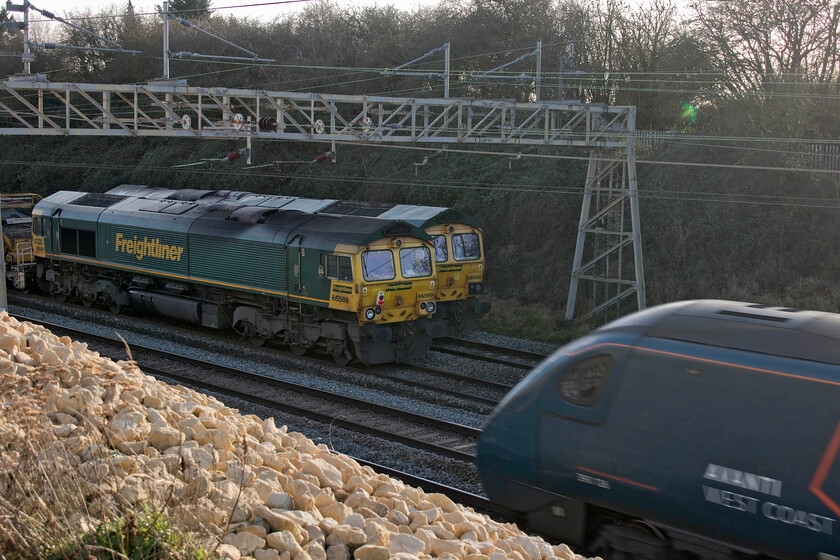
<point>457,238</point>
<point>705,429</point>
<point>350,287</point>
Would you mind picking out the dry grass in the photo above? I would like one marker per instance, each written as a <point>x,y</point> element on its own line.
<point>58,504</point>
<point>535,321</point>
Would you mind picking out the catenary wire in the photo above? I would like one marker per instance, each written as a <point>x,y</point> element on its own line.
<point>532,189</point>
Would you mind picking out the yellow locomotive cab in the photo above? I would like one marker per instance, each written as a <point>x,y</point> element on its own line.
<point>459,257</point>
<point>397,282</point>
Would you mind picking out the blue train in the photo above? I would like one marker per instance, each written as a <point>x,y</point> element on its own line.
<point>699,429</point>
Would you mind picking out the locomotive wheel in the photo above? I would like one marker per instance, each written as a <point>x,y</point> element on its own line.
<point>405,340</point>
<point>298,350</point>
<point>458,317</point>
<point>114,307</point>
<point>631,539</point>
<point>341,359</point>
<point>88,302</point>
<point>43,285</point>
<point>250,333</point>
<point>256,341</point>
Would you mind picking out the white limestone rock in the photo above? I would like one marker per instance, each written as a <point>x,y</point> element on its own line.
<point>281,496</point>
<point>245,541</point>
<point>284,541</point>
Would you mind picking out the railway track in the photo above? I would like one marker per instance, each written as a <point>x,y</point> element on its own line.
<point>476,394</point>
<point>441,437</point>
<point>512,357</point>
<point>497,389</point>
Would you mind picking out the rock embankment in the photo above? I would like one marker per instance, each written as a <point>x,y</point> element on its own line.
<point>252,489</point>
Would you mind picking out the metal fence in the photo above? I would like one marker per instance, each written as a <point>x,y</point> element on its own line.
<point>825,156</point>
<point>653,138</point>
<point>817,155</point>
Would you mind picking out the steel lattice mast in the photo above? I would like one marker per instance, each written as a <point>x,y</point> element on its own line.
<point>604,268</point>
<point>608,253</point>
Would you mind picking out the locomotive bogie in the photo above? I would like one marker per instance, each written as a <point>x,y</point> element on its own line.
<point>708,427</point>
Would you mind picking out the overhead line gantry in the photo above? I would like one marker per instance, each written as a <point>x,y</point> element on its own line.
<point>608,255</point>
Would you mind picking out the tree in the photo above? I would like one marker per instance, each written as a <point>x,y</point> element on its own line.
<point>190,9</point>
<point>657,61</point>
<point>762,43</point>
<point>778,59</point>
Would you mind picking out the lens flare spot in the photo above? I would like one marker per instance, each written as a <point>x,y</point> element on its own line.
<point>688,112</point>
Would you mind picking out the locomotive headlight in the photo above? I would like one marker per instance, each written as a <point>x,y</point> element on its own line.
<point>430,307</point>
<point>370,314</point>
<point>423,305</point>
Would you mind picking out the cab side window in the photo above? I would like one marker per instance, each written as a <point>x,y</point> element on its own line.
<point>339,267</point>
<point>583,382</point>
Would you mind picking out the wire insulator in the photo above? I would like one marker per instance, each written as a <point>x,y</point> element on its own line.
<point>268,124</point>
<point>321,158</point>
<point>233,155</point>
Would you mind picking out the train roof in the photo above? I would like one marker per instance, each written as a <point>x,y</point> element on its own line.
<point>765,329</point>
<point>258,223</point>
<point>87,204</point>
<point>420,216</point>
<point>425,216</point>
<point>307,230</point>
<point>143,191</point>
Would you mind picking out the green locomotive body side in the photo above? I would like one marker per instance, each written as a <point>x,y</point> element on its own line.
<point>458,241</point>
<point>262,270</point>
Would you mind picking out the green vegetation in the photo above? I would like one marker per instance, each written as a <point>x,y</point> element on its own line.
<point>148,536</point>
<point>53,508</point>
<point>730,224</point>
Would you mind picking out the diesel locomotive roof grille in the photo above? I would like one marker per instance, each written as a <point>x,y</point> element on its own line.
<point>190,195</point>
<point>156,206</point>
<point>232,195</point>
<point>252,215</point>
<point>178,208</point>
<point>355,209</point>
<point>782,309</point>
<point>98,200</point>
